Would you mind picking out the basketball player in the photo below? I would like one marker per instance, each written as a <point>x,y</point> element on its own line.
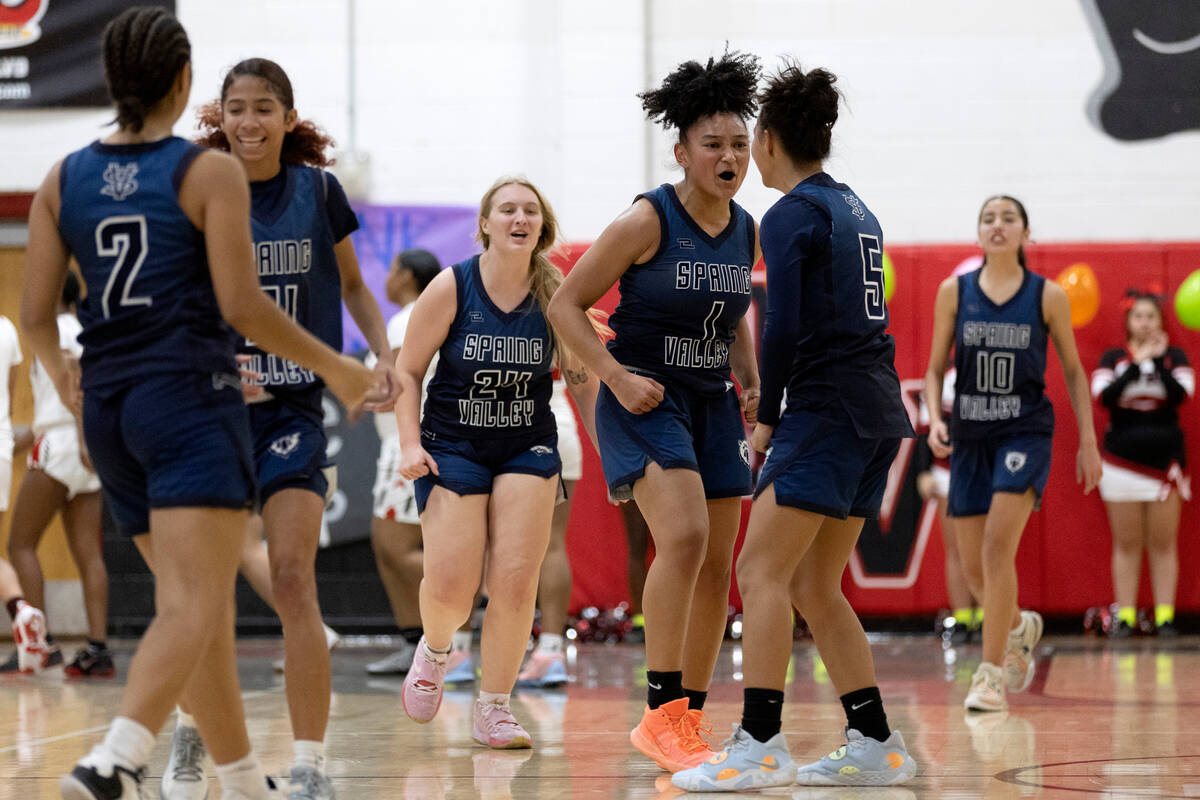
<point>998,319</point>
<point>671,435</point>
<point>161,231</point>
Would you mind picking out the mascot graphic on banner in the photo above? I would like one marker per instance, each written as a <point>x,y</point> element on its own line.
<point>19,22</point>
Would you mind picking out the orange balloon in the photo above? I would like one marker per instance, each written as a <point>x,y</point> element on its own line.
<point>1083,290</point>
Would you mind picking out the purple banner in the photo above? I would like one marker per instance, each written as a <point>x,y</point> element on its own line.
<point>446,231</point>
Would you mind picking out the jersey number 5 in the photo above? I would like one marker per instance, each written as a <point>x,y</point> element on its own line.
<point>122,238</point>
<point>872,264</point>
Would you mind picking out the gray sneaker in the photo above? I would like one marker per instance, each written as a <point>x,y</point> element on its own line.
<point>306,783</point>
<point>397,663</point>
<point>861,761</point>
<point>186,775</point>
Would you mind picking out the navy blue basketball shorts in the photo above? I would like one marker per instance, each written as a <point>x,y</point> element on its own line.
<point>821,464</point>
<point>469,467</point>
<point>289,451</point>
<point>688,430</point>
<point>981,467</point>
<point>175,440</point>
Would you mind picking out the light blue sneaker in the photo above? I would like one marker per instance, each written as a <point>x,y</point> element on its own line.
<point>742,763</point>
<point>861,761</point>
<point>460,667</point>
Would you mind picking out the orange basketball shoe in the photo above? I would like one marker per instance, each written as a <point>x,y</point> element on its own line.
<point>670,736</point>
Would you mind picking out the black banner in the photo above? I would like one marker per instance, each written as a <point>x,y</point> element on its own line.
<point>50,51</point>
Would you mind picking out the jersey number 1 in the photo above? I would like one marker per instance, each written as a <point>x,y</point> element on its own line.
<point>872,264</point>
<point>122,238</point>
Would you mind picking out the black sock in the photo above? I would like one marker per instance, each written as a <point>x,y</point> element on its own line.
<point>412,635</point>
<point>695,698</point>
<point>864,713</point>
<point>762,712</point>
<point>11,605</point>
<point>663,687</point>
<point>97,645</point>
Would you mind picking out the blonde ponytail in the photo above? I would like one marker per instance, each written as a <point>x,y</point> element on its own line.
<point>544,276</point>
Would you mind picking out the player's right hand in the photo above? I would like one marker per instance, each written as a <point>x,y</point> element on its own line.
<point>415,462</point>
<point>637,393</point>
<point>939,439</point>
<point>351,381</point>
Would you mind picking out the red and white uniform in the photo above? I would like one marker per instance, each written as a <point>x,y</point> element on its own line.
<point>1144,455</point>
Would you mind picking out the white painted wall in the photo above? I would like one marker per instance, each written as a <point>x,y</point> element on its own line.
<point>948,102</point>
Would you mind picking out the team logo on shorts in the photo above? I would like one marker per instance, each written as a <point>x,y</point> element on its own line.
<point>541,450</point>
<point>744,451</point>
<point>119,182</point>
<point>1014,461</point>
<point>284,446</point>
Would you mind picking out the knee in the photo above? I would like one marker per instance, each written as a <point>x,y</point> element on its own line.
<point>717,569</point>
<point>294,588</point>
<point>448,590</point>
<point>685,546</point>
<point>512,586</point>
<point>816,602</point>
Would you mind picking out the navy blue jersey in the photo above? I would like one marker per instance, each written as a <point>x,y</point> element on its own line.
<point>150,306</point>
<point>679,310</point>
<point>297,267</point>
<point>825,336</point>
<point>1000,356</point>
<point>493,373</point>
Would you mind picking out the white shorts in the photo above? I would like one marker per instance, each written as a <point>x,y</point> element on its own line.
<point>56,452</point>
<point>941,480</point>
<point>5,482</point>
<point>569,448</point>
<point>1124,485</point>
<point>393,493</point>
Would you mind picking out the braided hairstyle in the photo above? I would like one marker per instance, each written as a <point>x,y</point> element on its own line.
<point>800,109</point>
<point>694,91</point>
<point>304,145</point>
<point>144,48</point>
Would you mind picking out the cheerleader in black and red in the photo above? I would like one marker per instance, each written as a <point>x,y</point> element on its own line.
<point>1142,386</point>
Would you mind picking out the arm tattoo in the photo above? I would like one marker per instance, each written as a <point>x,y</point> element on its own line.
<point>576,376</point>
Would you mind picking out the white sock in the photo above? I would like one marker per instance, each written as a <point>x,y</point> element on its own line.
<point>128,743</point>
<point>461,641</point>
<point>184,719</point>
<point>244,776</point>
<point>551,643</point>
<point>495,698</point>
<point>307,753</point>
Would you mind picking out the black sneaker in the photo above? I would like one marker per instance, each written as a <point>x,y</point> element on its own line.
<point>1122,630</point>
<point>11,664</point>
<point>1167,630</point>
<point>86,783</point>
<point>91,662</point>
<point>53,657</point>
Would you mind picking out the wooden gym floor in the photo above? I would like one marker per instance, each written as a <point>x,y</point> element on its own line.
<point>1101,719</point>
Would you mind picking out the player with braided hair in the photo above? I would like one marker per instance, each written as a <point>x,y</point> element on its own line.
<point>161,231</point>
<point>668,419</point>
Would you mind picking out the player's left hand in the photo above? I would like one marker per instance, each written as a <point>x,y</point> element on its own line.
<point>388,386</point>
<point>749,404</point>
<point>760,438</point>
<point>1087,467</point>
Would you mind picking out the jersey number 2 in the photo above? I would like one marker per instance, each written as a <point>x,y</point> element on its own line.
<point>122,238</point>
<point>872,264</point>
